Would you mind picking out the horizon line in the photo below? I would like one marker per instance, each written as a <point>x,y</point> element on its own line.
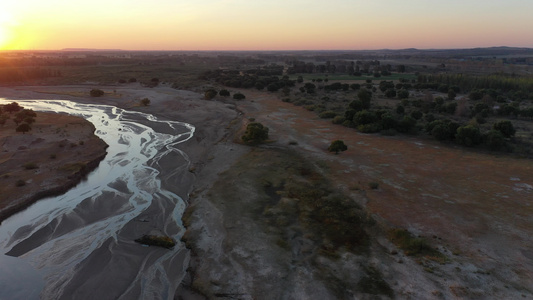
<point>80,49</point>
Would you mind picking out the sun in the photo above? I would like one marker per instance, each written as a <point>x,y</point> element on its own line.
<point>3,37</point>
<point>5,23</point>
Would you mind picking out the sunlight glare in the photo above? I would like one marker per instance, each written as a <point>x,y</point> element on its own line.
<point>5,22</point>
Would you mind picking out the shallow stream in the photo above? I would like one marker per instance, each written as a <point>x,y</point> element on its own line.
<point>80,245</point>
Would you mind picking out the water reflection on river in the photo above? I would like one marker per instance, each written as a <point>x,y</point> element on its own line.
<point>80,245</point>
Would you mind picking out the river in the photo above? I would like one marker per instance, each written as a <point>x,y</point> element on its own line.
<point>80,245</point>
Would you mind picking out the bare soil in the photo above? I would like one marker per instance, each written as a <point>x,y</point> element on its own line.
<point>50,159</point>
<point>473,207</point>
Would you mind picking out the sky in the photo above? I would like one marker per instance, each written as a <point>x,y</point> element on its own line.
<point>264,24</point>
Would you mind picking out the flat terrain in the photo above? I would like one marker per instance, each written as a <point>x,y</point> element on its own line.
<point>48,160</point>
<point>473,207</point>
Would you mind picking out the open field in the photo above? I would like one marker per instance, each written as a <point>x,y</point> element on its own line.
<point>290,219</point>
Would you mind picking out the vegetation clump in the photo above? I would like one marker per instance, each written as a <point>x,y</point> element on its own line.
<point>413,246</point>
<point>157,240</point>
<point>145,102</point>
<point>96,93</point>
<point>255,133</point>
<point>337,146</point>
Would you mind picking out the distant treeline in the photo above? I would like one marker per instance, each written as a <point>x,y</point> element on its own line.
<point>503,83</point>
<point>12,75</point>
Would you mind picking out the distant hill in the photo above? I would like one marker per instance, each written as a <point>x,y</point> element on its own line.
<point>89,49</point>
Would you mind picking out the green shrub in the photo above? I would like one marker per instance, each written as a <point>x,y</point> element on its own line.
<point>495,140</point>
<point>255,133</point>
<point>468,136</point>
<point>505,127</point>
<point>338,120</point>
<point>239,96</point>
<point>327,114</point>
<point>337,146</point>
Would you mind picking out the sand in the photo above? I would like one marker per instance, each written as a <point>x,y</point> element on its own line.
<point>50,159</point>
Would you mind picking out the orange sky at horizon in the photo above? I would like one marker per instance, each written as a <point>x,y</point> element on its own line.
<point>264,25</point>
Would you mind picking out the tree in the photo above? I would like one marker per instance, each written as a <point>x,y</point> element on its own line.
<point>238,96</point>
<point>12,107</point>
<point>495,140</point>
<point>364,117</point>
<point>403,94</point>
<point>24,127</point>
<point>390,93</point>
<point>365,97</point>
<point>255,133</point>
<point>337,146</point>
<point>145,102</point>
<point>96,93</point>
<point>468,135</point>
<point>505,127</point>
<point>451,94</point>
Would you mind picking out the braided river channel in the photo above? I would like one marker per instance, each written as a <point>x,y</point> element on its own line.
<point>80,245</point>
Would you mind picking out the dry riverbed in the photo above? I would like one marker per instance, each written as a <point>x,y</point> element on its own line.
<point>255,235</point>
<point>50,159</point>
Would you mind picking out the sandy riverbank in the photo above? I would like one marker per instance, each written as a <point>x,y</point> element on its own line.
<point>213,120</point>
<point>49,160</point>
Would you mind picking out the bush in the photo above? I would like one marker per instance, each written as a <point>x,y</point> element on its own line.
<point>505,127</point>
<point>210,94</point>
<point>388,121</point>
<point>364,117</point>
<point>338,120</point>
<point>407,124</point>
<point>403,94</point>
<point>255,133</point>
<point>145,102</point>
<point>468,136</point>
<point>238,96</point>
<point>96,93</point>
<point>495,140</point>
<point>327,114</point>
<point>224,93</point>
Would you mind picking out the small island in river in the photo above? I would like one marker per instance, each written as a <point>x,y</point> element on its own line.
<point>52,157</point>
